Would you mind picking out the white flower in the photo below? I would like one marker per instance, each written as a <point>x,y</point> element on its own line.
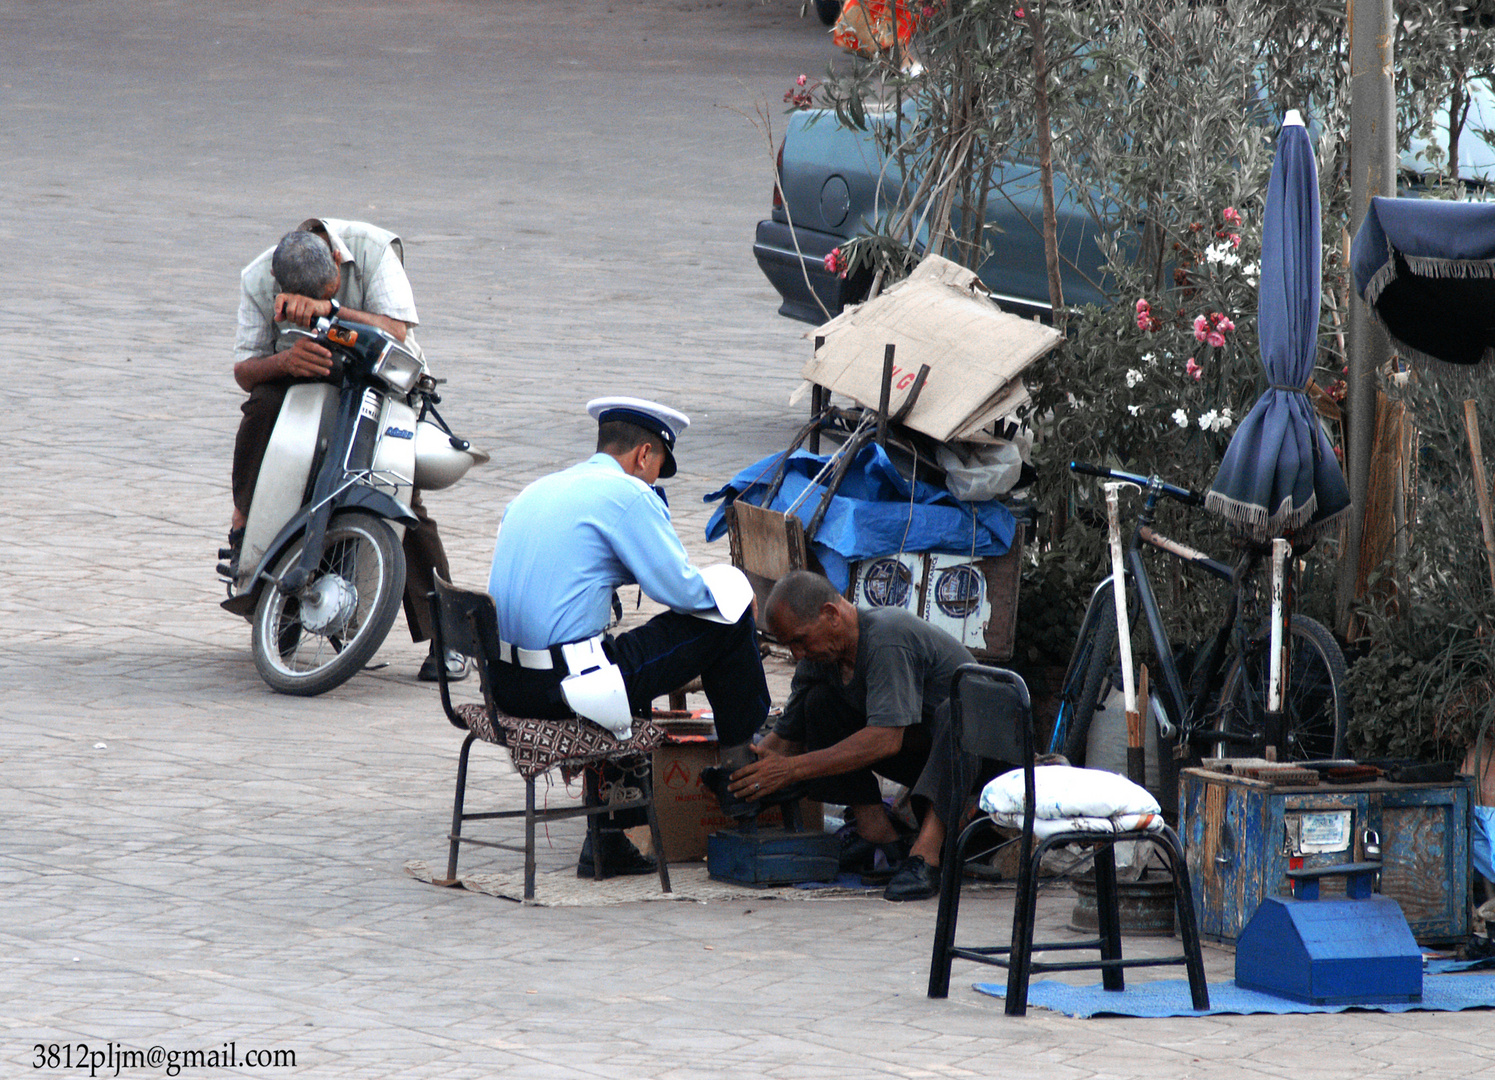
<point>1135,410</point>
<point>1216,421</point>
<point>1251,271</point>
<point>1222,254</point>
<point>1133,377</point>
<point>1150,359</point>
<point>1180,418</point>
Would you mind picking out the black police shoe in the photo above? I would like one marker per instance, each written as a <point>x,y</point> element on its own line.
<point>619,857</point>
<point>456,667</point>
<point>915,879</point>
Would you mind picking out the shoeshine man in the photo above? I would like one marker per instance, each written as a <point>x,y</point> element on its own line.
<point>565,544</point>
<point>870,696</point>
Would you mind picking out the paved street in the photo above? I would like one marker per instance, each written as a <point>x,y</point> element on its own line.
<point>188,859</point>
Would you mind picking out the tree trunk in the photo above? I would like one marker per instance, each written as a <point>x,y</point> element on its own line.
<point>1035,19</point>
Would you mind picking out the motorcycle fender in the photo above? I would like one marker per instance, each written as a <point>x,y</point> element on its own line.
<point>394,455</point>
<point>281,489</point>
<point>357,497</point>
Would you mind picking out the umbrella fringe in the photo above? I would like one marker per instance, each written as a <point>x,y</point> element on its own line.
<point>1425,266</point>
<point>1252,522</point>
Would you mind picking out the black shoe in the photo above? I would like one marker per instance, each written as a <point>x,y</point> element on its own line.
<point>619,857</point>
<point>915,880</point>
<point>859,856</point>
<point>456,667</point>
<point>740,809</point>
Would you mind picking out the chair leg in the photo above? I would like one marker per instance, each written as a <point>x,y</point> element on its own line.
<point>1020,955</point>
<point>1188,923</point>
<point>949,910</point>
<point>451,857</point>
<point>1108,915</point>
<point>656,841</point>
<point>529,839</point>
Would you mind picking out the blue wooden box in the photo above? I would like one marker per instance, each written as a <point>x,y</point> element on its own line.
<point>1240,834</point>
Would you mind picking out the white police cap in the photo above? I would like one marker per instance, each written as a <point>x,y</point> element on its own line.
<point>662,420</point>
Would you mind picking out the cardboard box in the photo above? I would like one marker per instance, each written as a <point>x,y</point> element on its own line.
<point>688,811</point>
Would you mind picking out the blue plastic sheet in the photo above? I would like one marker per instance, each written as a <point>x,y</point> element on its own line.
<point>875,511</point>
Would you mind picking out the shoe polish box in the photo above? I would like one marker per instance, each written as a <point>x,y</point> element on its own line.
<point>688,811</point>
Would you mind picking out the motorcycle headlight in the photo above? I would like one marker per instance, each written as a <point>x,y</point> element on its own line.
<point>399,368</point>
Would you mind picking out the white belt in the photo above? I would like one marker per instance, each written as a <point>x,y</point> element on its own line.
<point>579,655</point>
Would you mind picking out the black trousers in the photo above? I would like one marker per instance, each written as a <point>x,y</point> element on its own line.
<point>424,554</point>
<point>927,763</point>
<point>663,655</point>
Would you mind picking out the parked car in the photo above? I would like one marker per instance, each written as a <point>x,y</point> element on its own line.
<point>833,186</point>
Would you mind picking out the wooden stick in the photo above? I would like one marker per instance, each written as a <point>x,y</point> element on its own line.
<point>1481,485</point>
<point>1136,733</point>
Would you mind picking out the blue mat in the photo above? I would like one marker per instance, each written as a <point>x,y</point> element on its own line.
<point>1170,997</point>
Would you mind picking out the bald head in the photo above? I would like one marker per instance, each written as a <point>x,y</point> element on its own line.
<point>811,619</point>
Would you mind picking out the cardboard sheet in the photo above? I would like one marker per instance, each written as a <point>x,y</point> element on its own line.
<point>941,316</point>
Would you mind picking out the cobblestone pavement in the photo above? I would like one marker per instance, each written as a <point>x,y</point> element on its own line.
<point>189,860</point>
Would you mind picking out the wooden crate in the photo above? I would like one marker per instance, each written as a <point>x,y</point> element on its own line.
<point>1240,835</point>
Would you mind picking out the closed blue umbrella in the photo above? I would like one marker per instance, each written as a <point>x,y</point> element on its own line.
<point>1279,476</point>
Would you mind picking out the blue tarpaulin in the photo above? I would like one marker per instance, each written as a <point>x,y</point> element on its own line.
<point>875,511</point>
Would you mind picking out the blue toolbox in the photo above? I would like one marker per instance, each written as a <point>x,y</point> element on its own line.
<point>1357,950</point>
<point>764,857</point>
<point>1243,835</point>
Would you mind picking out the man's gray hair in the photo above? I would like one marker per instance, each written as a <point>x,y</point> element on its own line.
<point>303,264</point>
<point>802,593</point>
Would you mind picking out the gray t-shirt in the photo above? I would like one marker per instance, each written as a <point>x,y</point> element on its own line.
<point>902,674</point>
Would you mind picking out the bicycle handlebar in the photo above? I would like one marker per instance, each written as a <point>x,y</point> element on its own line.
<point>1147,483</point>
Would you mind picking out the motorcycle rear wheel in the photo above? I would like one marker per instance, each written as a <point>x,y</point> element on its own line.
<point>315,640</point>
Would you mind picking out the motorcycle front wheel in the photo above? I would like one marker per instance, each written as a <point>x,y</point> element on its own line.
<point>309,642</point>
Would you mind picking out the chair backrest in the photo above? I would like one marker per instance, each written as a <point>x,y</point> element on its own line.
<point>991,716</point>
<point>467,621</point>
<point>991,713</point>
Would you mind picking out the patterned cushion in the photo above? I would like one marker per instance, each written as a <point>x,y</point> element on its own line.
<point>539,745</point>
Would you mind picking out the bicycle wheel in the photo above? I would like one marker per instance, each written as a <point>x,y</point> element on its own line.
<point>1089,674</point>
<point>1315,711</point>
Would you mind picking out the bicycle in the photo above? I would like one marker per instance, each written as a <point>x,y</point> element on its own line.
<point>1219,700</point>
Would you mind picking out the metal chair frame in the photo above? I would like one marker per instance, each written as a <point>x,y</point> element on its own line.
<point>992,717</point>
<point>466,620</point>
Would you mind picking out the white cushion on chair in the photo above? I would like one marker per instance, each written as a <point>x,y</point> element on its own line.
<point>1070,799</point>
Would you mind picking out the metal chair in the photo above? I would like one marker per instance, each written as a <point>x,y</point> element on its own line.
<point>991,717</point>
<point>465,620</point>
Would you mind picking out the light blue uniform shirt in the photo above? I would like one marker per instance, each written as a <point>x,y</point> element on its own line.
<point>570,539</point>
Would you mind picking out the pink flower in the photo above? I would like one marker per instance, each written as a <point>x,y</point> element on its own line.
<point>1231,216</point>
<point>1142,306</point>
<point>801,81</point>
<point>1193,369</point>
<point>928,12</point>
<point>1224,325</point>
<point>833,264</point>
<point>1235,240</point>
<point>1215,338</point>
<point>1201,327</point>
<point>1020,14</point>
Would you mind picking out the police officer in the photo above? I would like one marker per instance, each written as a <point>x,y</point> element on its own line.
<point>565,544</point>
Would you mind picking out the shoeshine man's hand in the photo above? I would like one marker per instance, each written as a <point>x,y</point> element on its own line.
<point>770,773</point>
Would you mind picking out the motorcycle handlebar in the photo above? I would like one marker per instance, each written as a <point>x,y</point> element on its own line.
<point>1183,495</point>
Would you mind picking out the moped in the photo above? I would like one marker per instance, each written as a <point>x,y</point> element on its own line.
<point>321,573</point>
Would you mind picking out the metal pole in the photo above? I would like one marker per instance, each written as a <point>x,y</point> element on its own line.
<point>1372,173</point>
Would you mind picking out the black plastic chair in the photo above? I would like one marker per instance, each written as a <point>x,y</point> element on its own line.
<point>991,717</point>
<point>465,620</point>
